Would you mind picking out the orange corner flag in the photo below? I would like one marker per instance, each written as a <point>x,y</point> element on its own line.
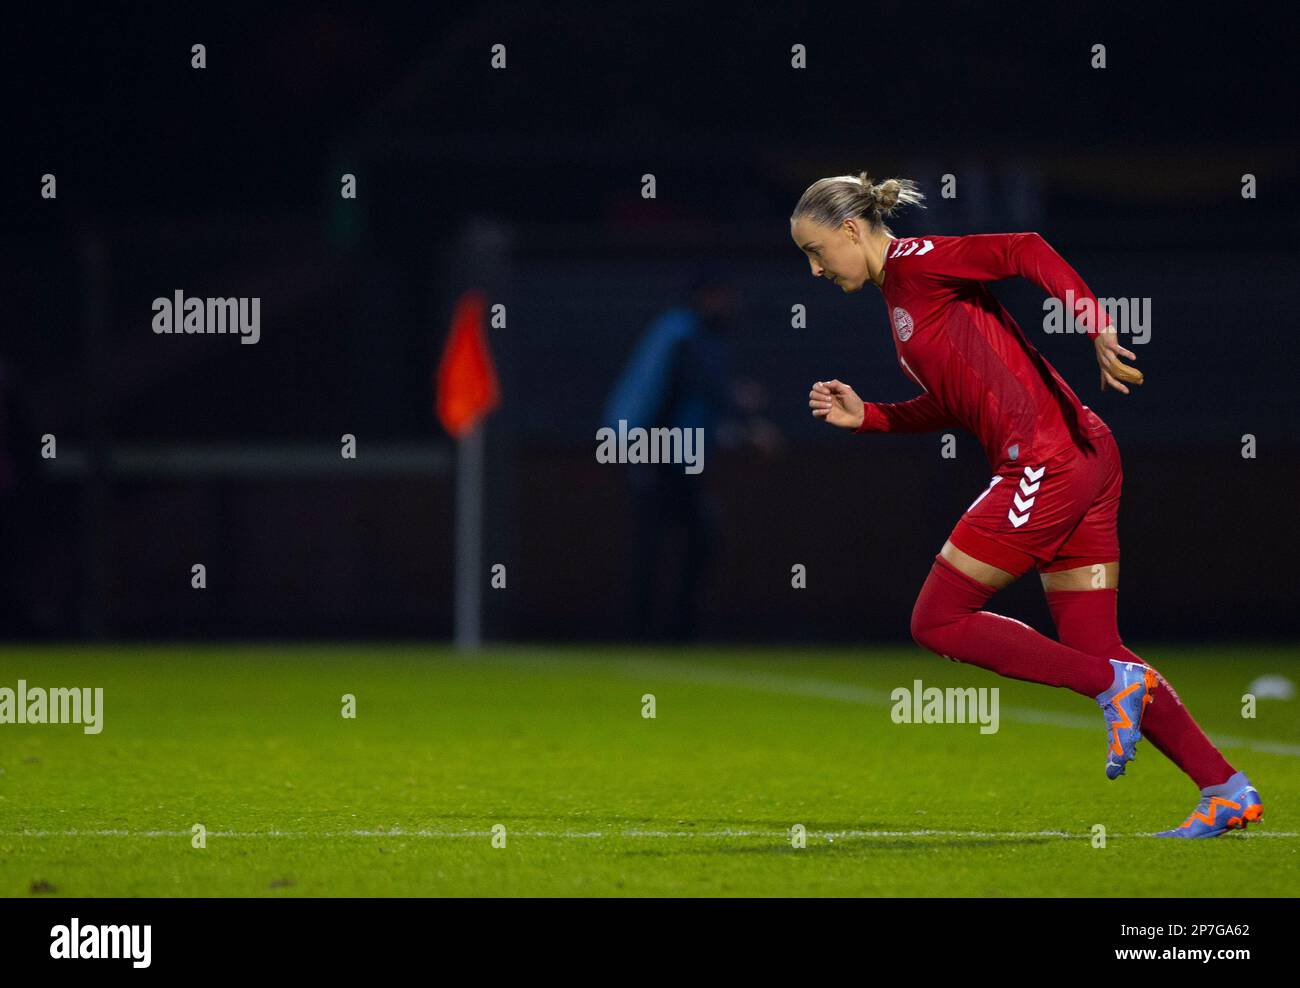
<point>466,382</point>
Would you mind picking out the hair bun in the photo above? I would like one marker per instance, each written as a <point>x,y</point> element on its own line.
<point>883,196</point>
<point>886,193</point>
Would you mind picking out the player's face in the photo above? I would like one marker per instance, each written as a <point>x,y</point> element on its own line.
<point>835,254</point>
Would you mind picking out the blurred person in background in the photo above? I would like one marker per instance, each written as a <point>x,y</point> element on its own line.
<point>672,380</point>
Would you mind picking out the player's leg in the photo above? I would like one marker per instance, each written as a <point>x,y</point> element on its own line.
<point>1081,582</point>
<point>1083,601</point>
<point>1082,588</point>
<point>949,619</point>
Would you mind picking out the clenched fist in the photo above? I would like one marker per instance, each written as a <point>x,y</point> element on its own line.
<point>836,403</point>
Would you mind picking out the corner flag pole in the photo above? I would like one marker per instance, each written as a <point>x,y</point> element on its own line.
<point>466,392</point>
<point>469,574</point>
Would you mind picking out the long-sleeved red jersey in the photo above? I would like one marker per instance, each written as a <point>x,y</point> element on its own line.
<point>957,342</point>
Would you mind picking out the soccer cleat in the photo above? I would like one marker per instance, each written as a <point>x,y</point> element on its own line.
<point>1122,706</point>
<point>1229,806</point>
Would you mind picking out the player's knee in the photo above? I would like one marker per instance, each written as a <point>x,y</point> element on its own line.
<point>926,629</point>
<point>918,626</point>
<point>940,612</point>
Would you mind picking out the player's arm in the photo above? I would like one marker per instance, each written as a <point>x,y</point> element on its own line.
<point>994,256</point>
<point>837,403</point>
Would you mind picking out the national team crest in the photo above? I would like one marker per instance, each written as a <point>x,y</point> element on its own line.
<point>902,324</point>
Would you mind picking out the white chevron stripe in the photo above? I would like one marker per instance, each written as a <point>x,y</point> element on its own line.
<point>929,246</point>
<point>1023,505</point>
<point>1029,472</point>
<point>1029,488</point>
<point>1016,519</point>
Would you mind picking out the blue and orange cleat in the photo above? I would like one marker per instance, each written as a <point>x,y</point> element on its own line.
<point>1225,807</point>
<point>1122,705</point>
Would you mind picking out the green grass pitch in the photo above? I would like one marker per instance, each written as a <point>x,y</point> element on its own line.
<point>597,800</point>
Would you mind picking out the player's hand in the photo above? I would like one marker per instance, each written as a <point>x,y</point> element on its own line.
<point>1114,372</point>
<point>836,403</point>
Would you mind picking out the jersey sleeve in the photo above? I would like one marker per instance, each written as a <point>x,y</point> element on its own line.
<point>919,414</point>
<point>994,256</point>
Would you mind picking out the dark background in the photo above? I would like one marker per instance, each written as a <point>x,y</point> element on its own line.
<point>224,181</point>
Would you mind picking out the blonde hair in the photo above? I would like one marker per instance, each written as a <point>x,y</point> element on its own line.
<point>831,201</point>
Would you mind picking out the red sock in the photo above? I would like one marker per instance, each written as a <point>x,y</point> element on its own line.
<point>947,619</point>
<point>1085,619</point>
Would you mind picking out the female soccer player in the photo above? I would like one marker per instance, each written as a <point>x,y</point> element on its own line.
<point>1054,498</point>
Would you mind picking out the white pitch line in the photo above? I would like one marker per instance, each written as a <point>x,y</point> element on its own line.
<point>783,835</point>
<point>826,689</point>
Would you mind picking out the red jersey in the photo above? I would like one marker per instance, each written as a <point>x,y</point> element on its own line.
<point>977,369</point>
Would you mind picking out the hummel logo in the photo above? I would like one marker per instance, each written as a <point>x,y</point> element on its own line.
<point>1023,504</point>
<point>905,248</point>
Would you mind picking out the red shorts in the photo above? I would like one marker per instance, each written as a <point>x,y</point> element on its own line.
<point>1058,514</point>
